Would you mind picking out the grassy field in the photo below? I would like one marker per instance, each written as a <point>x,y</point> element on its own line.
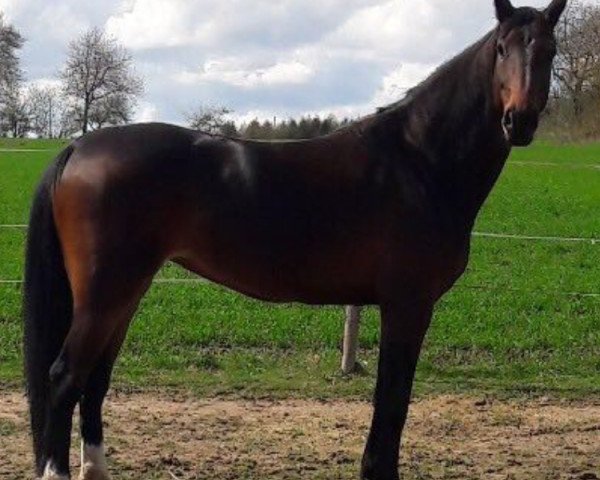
<point>511,325</point>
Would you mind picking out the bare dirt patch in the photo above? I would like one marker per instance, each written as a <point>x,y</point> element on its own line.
<point>158,436</point>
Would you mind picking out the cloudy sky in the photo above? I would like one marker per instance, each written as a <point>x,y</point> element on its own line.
<point>261,58</point>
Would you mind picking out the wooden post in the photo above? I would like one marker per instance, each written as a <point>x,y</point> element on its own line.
<point>350,339</point>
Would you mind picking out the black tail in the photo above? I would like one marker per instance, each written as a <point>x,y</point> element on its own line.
<point>47,301</point>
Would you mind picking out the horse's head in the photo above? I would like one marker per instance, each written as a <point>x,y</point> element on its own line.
<point>525,49</point>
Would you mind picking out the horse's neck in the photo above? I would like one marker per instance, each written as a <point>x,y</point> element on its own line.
<point>453,118</point>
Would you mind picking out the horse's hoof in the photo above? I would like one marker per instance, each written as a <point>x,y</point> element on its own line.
<point>50,473</point>
<point>373,476</point>
<point>92,472</point>
<point>372,472</point>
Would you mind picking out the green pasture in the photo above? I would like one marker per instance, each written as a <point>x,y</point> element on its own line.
<point>520,320</point>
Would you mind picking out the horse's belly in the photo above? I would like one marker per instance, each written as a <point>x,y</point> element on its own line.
<point>312,282</point>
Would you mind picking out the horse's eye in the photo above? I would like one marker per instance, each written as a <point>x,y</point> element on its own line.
<point>501,50</point>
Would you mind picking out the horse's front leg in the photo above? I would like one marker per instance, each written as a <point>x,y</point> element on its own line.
<point>404,323</point>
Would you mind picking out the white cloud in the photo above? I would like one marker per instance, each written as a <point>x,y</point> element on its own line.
<point>395,85</point>
<point>49,16</point>
<point>232,71</point>
<point>409,31</point>
<point>9,7</point>
<point>54,20</point>
<point>146,112</point>
<point>153,23</point>
<point>146,24</point>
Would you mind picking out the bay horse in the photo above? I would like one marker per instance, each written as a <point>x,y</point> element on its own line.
<point>378,213</point>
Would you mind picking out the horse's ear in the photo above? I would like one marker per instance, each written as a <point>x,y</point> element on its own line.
<point>504,9</point>
<point>554,11</point>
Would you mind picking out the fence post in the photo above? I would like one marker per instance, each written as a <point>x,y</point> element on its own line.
<point>350,338</point>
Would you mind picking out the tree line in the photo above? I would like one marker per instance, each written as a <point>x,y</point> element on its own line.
<point>215,120</point>
<point>98,86</point>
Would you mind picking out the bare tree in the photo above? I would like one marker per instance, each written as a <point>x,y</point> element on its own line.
<point>577,65</point>
<point>212,120</point>
<point>99,76</point>
<point>11,76</point>
<point>69,117</point>
<point>112,110</point>
<point>14,116</point>
<point>46,108</point>
<point>11,42</point>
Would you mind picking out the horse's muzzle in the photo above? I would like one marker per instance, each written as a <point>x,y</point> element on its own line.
<point>519,127</point>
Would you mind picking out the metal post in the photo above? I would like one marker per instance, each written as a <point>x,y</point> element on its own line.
<point>350,339</point>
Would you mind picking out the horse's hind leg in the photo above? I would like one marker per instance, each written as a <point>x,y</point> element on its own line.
<point>104,302</point>
<point>93,461</point>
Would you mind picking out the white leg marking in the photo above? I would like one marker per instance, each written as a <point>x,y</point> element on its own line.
<point>51,473</point>
<point>93,463</point>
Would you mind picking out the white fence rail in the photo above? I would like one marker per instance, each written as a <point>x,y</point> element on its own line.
<point>506,236</point>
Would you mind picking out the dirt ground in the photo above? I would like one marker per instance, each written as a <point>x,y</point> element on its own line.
<point>156,436</point>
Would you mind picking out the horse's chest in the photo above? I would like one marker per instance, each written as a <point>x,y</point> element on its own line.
<point>435,263</point>
<point>448,266</point>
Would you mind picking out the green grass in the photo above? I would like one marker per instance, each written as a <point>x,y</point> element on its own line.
<point>27,144</point>
<point>508,325</point>
<point>545,201</point>
<point>566,155</point>
<point>20,174</point>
